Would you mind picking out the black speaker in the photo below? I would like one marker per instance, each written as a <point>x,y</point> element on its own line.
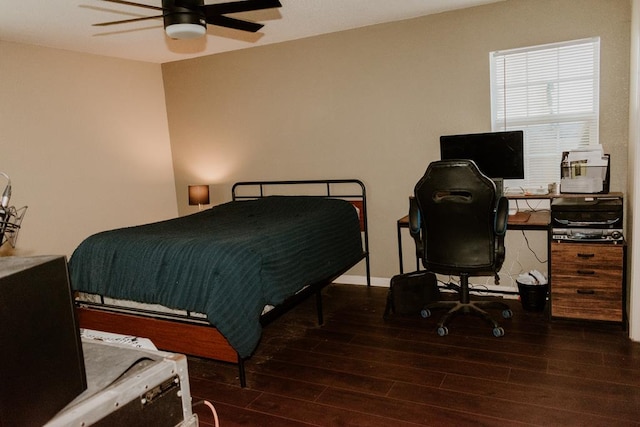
<point>41,361</point>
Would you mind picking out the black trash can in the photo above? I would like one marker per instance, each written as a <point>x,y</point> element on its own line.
<point>533,297</point>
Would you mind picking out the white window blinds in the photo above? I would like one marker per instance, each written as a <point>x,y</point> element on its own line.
<point>551,92</point>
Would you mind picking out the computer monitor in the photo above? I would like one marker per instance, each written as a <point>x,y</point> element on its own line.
<point>497,154</point>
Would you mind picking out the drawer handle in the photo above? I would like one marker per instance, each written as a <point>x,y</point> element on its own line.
<point>586,291</point>
<point>586,272</point>
<point>586,255</point>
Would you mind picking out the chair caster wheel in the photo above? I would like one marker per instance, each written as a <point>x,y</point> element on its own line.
<point>507,314</point>
<point>498,332</point>
<point>425,312</point>
<point>442,331</point>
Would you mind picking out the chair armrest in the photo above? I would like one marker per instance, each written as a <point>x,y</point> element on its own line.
<point>415,226</point>
<point>415,221</point>
<point>502,216</point>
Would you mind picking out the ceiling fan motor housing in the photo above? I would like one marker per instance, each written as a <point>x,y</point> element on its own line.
<point>184,19</point>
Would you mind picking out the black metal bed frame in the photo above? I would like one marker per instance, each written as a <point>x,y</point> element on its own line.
<point>260,189</point>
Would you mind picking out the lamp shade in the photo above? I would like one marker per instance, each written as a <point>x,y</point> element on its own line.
<point>198,195</point>
<point>185,31</point>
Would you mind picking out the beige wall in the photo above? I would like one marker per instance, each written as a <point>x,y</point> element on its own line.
<point>85,141</point>
<point>371,104</point>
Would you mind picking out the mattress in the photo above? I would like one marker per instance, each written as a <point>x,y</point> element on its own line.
<point>227,262</point>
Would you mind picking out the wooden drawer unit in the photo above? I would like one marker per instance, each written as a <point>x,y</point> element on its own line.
<point>587,281</point>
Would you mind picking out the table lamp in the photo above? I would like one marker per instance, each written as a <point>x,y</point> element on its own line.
<point>198,195</point>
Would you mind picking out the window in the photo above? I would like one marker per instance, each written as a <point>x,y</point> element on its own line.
<point>551,92</point>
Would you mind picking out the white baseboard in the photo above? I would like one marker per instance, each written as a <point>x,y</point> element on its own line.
<point>346,279</point>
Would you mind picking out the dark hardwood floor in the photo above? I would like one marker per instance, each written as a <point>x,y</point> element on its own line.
<point>359,370</point>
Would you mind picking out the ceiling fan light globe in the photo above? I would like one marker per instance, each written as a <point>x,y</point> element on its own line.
<point>185,31</point>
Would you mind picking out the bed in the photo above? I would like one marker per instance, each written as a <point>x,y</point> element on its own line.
<point>205,284</point>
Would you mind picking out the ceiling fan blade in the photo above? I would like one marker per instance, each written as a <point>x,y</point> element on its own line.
<point>124,21</point>
<point>129,3</point>
<point>236,24</point>
<point>239,6</point>
<point>213,12</point>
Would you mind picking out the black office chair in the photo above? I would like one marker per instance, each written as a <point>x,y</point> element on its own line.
<point>459,223</point>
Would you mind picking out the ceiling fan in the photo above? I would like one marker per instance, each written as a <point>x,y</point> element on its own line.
<point>187,19</point>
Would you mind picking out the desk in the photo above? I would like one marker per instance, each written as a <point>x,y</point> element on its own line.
<point>536,220</point>
<point>589,276</point>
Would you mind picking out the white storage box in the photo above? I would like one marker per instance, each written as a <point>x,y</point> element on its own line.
<point>130,386</point>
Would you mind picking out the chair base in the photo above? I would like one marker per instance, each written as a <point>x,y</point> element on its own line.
<point>475,308</point>
<point>465,306</point>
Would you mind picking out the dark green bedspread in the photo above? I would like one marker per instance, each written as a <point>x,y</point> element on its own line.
<point>227,262</point>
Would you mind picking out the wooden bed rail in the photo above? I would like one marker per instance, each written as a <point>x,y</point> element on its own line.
<point>180,337</point>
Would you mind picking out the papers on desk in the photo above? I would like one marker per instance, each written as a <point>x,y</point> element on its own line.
<point>584,170</point>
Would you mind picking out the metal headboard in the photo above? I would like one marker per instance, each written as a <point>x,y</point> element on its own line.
<point>351,190</point>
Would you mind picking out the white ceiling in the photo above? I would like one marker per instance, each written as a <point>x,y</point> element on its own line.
<point>67,24</point>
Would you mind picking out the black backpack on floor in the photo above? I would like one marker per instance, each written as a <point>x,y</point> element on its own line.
<point>409,293</point>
